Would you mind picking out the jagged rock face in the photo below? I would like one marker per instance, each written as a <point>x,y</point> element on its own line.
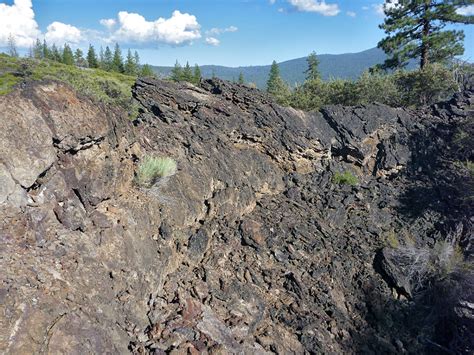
<point>250,248</point>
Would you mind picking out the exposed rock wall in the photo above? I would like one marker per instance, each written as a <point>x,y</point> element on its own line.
<point>250,248</point>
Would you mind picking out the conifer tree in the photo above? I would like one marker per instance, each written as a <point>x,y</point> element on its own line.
<point>55,54</point>
<point>46,52</point>
<point>38,50</point>
<point>177,72</point>
<point>146,70</point>
<point>79,58</point>
<point>137,59</point>
<point>117,60</point>
<point>276,86</point>
<point>92,57</point>
<point>130,67</point>
<point>108,58</point>
<point>415,30</point>
<point>187,73</point>
<point>312,73</point>
<point>67,55</point>
<point>241,78</point>
<point>100,61</point>
<point>12,50</point>
<point>197,74</point>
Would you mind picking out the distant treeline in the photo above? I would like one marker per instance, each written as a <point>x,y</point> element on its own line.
<point>108,60</point>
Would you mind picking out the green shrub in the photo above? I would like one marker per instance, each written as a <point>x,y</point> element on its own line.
<point>402,88</point>
<point>7,82</point>
<point>424,87</point>
<point>311,95</point>
<point>346,178</point>
<point>151,169</point>
<point>134,110</point>
<point>342,92</point>
<point>377,87</point>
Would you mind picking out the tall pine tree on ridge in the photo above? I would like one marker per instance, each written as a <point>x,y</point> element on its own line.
<point>414,30</point>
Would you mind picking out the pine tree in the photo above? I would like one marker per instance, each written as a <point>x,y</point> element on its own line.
<point>187,73</point>
<point>79,58</point>
<point>67,55</point>
<point>276,86</point>
<point>177,72</point>
<point>415,30</point>
<point>12,51</point>
<point>46,51</point>
<point>117,60</point>
<point>146,70</point>
<point>197,74</point>
<point>92,57</point>
<point>100,62</point>
<point>130,67</point>
<point>312,73</point>
<point>108,58</point>
<point>38,50</point>
<point>56,54</point>
<point>241,78</point>
<point>137,59</point>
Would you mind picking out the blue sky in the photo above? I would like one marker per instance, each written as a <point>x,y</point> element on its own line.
<point>225,32</point>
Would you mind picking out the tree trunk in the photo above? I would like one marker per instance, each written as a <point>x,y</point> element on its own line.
<point>425,47</point>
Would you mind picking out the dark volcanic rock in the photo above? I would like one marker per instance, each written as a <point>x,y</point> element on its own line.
<point>250,248</point>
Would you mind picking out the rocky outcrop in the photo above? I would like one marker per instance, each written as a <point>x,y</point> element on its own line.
<point>250,248</point>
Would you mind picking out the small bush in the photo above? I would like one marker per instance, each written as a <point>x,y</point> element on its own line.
<point>346,178</point>
<point>151,169</point>
<point>424,87</point>
<point>441,281</point>
<point>423,265</point>
<point>401,88</point>
<point>392,240</point>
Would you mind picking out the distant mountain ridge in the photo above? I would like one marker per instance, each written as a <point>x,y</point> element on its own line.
<point>344,66</point>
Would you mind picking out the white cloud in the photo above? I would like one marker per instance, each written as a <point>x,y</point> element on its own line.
<point>379,10</point>
<point>212,41</point>
<point>365,8</point>
<point>218,31</point>
<point>466,10</point>
<point>108,23</point>
<point>351,14</point>
<point>178,29</point>
<point>60,33</point>
<point>320,7</point>
<point>388,4</point>
<point>19,21</point>
<point>272,2</point>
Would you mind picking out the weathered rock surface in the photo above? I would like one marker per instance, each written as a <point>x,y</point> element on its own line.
<point>251,248</point>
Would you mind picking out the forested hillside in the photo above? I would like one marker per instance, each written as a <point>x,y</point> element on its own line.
<point>343,66</point>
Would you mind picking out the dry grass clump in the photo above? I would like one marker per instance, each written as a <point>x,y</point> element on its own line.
<point>151,169</point>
